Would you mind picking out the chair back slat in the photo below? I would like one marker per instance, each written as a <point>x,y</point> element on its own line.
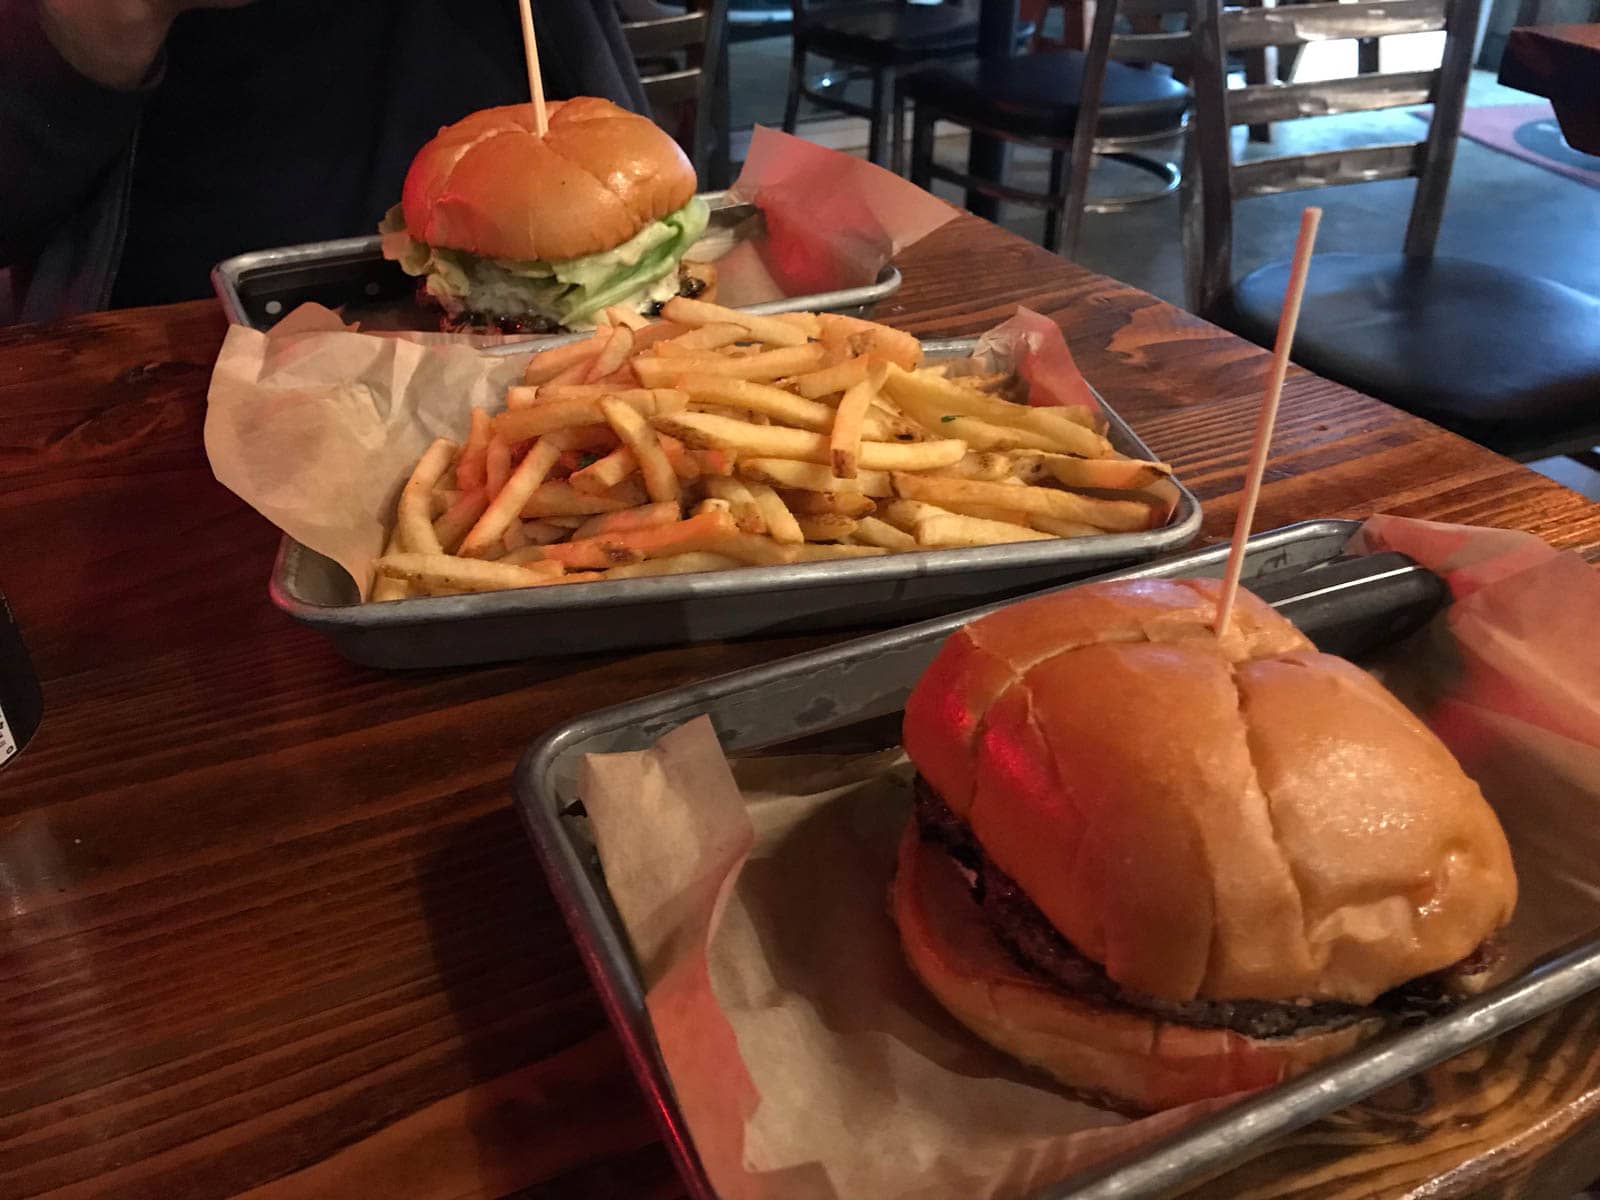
<point>663,35</point>
<point>1298,24</point>
<point>1326,168</point>
<point>672,87</point>
<point>1208,222</point>
<point>1265,103</point>
<point>1169,48</point>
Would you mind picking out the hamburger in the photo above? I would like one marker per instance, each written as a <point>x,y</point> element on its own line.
<point>1163,865</point>
<point>512,231</point>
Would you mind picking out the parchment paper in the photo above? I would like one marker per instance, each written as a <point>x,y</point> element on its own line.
<point>317,425</point>
<point>808,1061</point>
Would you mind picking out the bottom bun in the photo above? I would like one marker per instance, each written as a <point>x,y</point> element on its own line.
<point>1115,1057</point>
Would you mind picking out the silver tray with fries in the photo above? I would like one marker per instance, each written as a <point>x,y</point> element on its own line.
<point>847,699</point>
<point>629,614</point>
<point>351,276</point>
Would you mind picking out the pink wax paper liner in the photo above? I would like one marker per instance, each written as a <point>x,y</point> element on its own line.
<point>1035,344</point>
<point>833,220</point>
<point>808,1061</point>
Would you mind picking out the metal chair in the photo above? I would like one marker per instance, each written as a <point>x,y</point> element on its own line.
<point>1089,103</point>
<point>683,64</point>
<point>1509,360</point>
<point>882,39</point>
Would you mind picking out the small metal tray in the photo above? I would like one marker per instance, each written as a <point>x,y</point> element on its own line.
<point>848,697</point>
<point>352,276</point>
<point>628,614</point>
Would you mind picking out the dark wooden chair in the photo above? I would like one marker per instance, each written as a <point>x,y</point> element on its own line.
<point>1507,359</point>
<point>881,39</point>
<point>1042,100</point>
<point>683,64</point>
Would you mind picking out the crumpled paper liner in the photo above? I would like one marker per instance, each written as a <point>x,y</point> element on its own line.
<point>807,1060</point>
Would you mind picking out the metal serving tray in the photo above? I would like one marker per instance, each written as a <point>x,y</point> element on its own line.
<point>437,631</point>
<point>351,275</point>
<point>849,697</point>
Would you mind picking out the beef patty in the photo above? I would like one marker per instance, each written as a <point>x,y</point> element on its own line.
<point>1037,946</point>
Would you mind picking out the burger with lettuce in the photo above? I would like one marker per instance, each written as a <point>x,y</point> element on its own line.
<point>507,230</point>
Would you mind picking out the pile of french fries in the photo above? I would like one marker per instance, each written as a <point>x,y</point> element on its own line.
<point>714,439</point>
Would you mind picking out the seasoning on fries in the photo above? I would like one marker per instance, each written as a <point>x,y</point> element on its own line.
<point>715,439</point>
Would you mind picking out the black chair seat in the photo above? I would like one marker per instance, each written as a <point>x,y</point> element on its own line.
<point>1509,360</point>
<point>889,33</point>
<point>1037,95</point>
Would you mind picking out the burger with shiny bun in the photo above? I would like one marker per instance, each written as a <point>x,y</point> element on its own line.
<point>1162,865</point>
<point>512,231</point>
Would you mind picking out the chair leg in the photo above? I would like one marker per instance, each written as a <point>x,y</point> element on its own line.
<point>897,132</point>
<point>877,131</point>
<point>1258,70</point>
<point>1367,56</point>
<point>797,81</point>
<point>1190,199</point>
<point>922,124</point>
<point>1052,215</point>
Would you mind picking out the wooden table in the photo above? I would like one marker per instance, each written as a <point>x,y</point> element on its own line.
<point>271,927</point>
<point>1561,63</point>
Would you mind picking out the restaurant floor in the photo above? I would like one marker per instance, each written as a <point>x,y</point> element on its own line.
<point>1500,209</point>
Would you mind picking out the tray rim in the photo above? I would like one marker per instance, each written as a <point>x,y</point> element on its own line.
<point>1159,1168</point>
<point>747,581</point>
<point>227,278</point>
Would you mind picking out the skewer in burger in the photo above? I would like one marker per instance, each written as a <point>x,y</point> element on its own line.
<point>1162,865</point>
<point>511,231</point>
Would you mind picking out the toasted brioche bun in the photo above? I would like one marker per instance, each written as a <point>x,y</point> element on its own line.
<point>1111,1056</point>
<point>492,186</point>
<point>1243,818</point>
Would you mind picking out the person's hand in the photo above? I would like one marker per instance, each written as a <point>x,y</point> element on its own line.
<point>113,42</point>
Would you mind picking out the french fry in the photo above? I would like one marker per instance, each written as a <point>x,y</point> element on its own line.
<point>826,527</point>
<point>542,533</point>
<point>747,514</point>
<point>954,530</point>
<point>544,393</point>
<point>989,465</point>
<point>660,480</point>
<point>758,550</point>
<point>547,364</point>
<point>564,521</point>
<point>1116,474</point>
<point>838,504</point>
<point>776,441</point>
<point>628,518</point>
<point>780,522</point>
<point>689,563</point>
<point>822,551</point>
<point>388,587</point>
<point>522,397</point>
<point>469,468</point>
<point>612,356</point>
<point>762,367</point>
<point>558,499</point>
<point>708,531</point>
<point>467,574</point>
<point>813,477</point>
<point>496,464</point>
<point>655,333</point>
<point>459,518</point>
<point>844,440</point>
<point>605,473</point>
<point>837,378</point>
<point>618,314</point>
<point>1118,516</point>
<point>508,502</point>
<point>412,513</point>
<point>519,425</point>
<point>712,504</point>
<point>524,556</point>
<point>868,337</point>
<point>932,401</point>
<point>1063,529</point>
<point>440,500</point>
<point>907,514</point>
<point>880,533</point>
<point>762,329</point>
<point>707,337</point>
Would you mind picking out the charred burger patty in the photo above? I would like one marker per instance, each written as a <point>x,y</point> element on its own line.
<point>1037,946</point>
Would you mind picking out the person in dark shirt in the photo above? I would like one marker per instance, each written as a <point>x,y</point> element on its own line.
<point>143,141</point>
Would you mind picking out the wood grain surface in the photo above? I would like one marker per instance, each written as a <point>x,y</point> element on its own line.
<point>270,926</point>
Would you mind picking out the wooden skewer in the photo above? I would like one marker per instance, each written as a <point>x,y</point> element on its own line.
<point>1287,320</point>
<point>530,51</point>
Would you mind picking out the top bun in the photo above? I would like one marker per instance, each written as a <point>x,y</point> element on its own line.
<point>492,186</point>
<point>1227,818</point>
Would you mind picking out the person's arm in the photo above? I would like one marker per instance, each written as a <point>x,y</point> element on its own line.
<point>70,98</point>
